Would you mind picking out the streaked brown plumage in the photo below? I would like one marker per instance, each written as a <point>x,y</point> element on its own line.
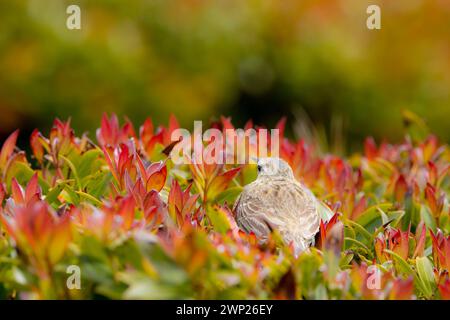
<point>276,200</point>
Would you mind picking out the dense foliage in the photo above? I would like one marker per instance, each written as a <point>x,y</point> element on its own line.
<point>139,226</point>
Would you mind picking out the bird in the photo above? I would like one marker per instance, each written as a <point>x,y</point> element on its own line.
<point>276,200</point>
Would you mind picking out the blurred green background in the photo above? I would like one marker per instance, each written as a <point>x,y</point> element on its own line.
<point>198,59</point>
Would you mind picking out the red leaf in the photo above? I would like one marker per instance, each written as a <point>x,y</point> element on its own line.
<point>2,194</point>
<point>444,290</point>
<point>153,200</point>
<point>173,125</point>
<point>146,130</point>
<point>399,242</point>
<point>226,123</point>
<point>248,125</point>
<point>359,208</point>
<point>370,148</point>
<point>109,157</point>
<point>108,132</point>
<point>189,204</point>
<point>325,231</point>
<point>281,125</point>
<point>32,188</point>
<point>437,240</point>
<point>154,140</point>
<point>432,173</point>
<point>175,199</point>
<point>446,250</point>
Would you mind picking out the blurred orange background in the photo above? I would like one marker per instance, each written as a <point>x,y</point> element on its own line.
<point>259,59</point>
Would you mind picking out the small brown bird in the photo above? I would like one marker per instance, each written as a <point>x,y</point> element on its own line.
<point>276,200</point>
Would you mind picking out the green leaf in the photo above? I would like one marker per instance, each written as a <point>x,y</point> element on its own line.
<point>360,229</point>
<point>54,192</point>
<point>425,276</point>
<point>427,217</point>
<point>89,197</point>
<point>370,219</point>
<point>74,170</point>
<point>358,244</point>
<point>70,195</point>
<point>158,154</point>
<point>411,214</point>
<point>89,163</point>
<point>218,219</point>
<point>401,265</point>
<point>415,126</point>
<point>21,171</point>
<point>248,174</point>
<point>229,195</point>
<point>99,186</point>
<point>345,260</point>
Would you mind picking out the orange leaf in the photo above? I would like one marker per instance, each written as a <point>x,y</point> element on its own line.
<point>402,289</point>
<point>401,188</point>
<point>8,148</point>
<point>36,145</point>
<point>220,183</point>
<point>17,192</point>
<point>430,196</point>
<point>157,177</point>
<point>60,239</point>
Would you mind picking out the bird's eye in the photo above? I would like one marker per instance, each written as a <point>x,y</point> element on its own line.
<point>259,168</point>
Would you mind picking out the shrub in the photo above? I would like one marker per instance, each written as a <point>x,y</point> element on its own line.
<point>140,227</point>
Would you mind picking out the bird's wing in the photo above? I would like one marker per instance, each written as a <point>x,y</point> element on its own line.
<point>301,211</point>
<point>284,205</point>
<point>250,211</point>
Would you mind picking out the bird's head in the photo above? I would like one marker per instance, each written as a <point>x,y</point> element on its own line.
<point>274,167</point>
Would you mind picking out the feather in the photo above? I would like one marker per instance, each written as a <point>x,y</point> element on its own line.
<point>277,200</point>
